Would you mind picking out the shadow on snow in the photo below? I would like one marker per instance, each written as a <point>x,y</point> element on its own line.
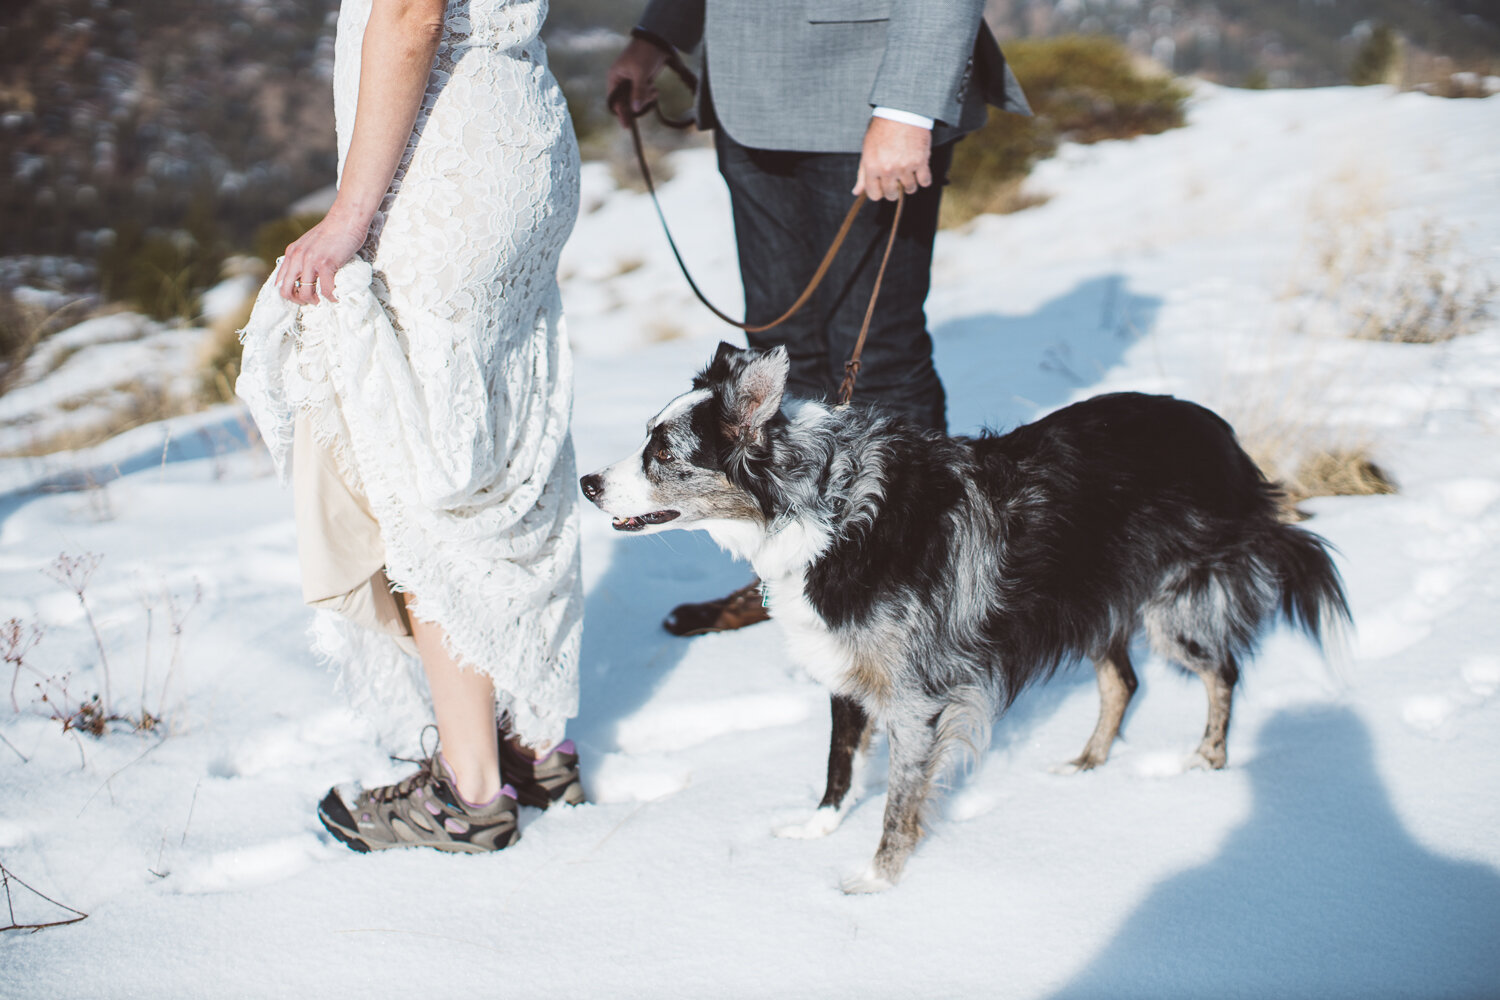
<point>1321,893</point>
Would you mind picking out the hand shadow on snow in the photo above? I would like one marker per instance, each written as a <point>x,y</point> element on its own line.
<point>1321,893</point>
<point>1000,370</point>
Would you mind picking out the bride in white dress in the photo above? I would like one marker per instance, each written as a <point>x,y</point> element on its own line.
<point>408,367</point>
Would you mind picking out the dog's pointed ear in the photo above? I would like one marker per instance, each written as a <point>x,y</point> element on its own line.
<point>721,368</point>
<point>726,352</point>
<point>755,396</point>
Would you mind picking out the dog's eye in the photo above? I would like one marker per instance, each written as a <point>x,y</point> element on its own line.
<point>665,456</point>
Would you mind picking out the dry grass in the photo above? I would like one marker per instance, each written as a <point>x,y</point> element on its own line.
<point>626,171</point>
<point>1003,198</point>
<point>1362,278</point>
<point>219,356</point>
<point>1339,472</point>
<point>1286,398</point>
<point>661,331</point>
<point>626,265</point>
<point>23,326</point>
<point>132,403</point>
<point>1308,461</point>
<point>1083,89</point>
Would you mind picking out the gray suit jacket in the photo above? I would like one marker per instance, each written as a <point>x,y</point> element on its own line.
<point>804,74</point>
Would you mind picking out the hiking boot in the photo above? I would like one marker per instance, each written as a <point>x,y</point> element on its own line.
<point>540,783</point>
<point>421,810</point>
<point>744,607</point>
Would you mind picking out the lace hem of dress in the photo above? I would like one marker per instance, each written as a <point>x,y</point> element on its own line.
<point>488,545</point>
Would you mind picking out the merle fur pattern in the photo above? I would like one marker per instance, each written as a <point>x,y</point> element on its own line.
<point>928,580</point>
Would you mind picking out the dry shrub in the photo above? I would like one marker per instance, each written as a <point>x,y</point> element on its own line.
<point>1308,460</point>
<point>625,265</point>
<point>24,325</point>
<point>219,356</point>
<point>131,403</point>
<point>1339,472</point>
<point>20,329</point>
<point>1379,58</point>
<point>659,143</point>
<point>1460,85</point>
<point>661,331</point>
<point>1004,197</point>
<point>1366,281</point>
<point>1082,89</point>
<point>1426,293</point>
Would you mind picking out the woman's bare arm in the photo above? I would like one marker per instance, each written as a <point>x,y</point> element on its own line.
<point>400,41</point>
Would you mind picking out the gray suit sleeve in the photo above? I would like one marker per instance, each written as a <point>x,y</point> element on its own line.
<point>678,21</point>
<point>928,49</point>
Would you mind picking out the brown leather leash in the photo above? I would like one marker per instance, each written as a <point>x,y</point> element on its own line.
<point>851,367</point>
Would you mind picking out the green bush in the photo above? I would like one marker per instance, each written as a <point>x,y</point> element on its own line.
<point>1082,89</point>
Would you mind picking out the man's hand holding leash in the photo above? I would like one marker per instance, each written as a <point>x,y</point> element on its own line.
<point>638,67</point>
<point>895,156</point>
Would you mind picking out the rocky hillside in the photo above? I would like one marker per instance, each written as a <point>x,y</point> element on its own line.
<point>199,120</point>
<point>120,114</point>
<point>1278,43</point>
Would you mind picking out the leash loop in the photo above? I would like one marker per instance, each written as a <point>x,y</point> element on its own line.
<point>620,97</point>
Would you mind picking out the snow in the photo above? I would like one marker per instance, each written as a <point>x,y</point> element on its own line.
<point>1348,850</point>
<point>88,376</point>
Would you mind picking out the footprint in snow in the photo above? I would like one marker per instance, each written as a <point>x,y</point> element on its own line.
<point>247,867</point>
<point>1431,714</point>
<point>614,777</point>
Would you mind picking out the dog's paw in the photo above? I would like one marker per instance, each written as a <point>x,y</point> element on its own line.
<point>1200,761</point>
<point>1075,766</point>
<point>820,824</point>
<point>866,881</point>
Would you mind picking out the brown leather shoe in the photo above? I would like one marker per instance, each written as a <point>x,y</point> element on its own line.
<point>743,607</point>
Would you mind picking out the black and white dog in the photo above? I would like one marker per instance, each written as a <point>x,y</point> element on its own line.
<point>927,580</point>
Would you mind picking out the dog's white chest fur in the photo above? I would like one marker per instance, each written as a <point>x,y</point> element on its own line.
<point>781,559</point>
<point>823,654</point>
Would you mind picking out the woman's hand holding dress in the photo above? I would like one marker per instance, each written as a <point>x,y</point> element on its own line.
<point>400,40</point>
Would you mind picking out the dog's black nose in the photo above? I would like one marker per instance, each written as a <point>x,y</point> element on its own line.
<point>592,486</point>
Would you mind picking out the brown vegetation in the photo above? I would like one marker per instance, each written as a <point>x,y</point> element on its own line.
<point>1081,89</point>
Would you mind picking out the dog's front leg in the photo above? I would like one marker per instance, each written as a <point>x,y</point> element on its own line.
<point>851,728</point>
<point>913,761</point>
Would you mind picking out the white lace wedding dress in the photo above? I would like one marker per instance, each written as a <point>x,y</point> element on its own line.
<point>441,379</point>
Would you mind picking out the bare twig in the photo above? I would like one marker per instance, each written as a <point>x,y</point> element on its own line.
<point>178,615</point>
<point>191,806</point>
<point>117,773</point>
<point>74,572</point>
<point>17,640</point>
<point>146,661</point>
<point>6,878</point>
<point>24,758</point>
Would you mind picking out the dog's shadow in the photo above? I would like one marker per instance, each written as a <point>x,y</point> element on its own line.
<point>1322,892</point>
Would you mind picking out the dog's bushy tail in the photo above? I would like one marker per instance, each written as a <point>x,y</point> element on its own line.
<point>1312,592</point>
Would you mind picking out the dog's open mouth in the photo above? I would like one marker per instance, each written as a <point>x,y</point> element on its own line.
<point>637,523</point>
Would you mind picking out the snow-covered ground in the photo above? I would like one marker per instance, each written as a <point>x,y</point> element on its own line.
<point>1350,849</point>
